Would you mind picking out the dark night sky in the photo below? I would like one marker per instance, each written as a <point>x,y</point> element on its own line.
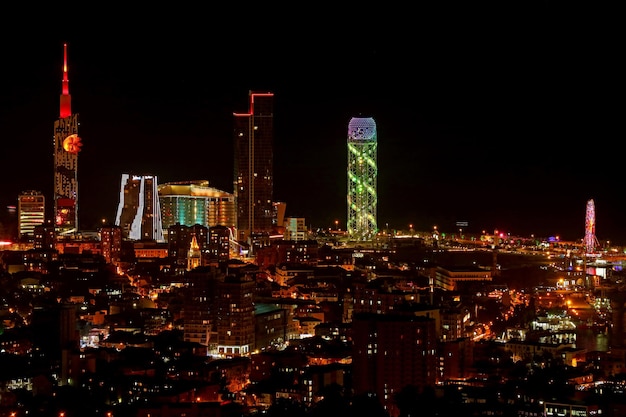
<point>504,117</point>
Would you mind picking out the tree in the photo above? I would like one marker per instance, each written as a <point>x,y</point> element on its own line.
<point>334,402</point>
<point>367,405</point>
<point>286,407</point>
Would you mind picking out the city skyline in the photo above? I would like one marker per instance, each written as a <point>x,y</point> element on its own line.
<point>491,130</point>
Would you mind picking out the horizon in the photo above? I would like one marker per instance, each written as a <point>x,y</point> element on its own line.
<point>484,129</point>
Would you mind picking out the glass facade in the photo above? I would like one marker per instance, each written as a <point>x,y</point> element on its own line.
<point>254,166</point>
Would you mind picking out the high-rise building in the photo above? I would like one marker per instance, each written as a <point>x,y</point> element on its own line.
<point>254,166</point>
<point>193,202</point>
<point>362,179</point>
<point>200,294</point>
<point>67,144</point>
<point>138,212</point>
<point>235,315</point>
<point>31,209</point>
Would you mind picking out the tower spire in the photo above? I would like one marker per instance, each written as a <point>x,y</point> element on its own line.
<point>66,99</point>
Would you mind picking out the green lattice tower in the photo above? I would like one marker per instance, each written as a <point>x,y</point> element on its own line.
<point>362,174</point>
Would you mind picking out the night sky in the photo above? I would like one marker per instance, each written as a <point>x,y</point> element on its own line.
<point>506,118</point>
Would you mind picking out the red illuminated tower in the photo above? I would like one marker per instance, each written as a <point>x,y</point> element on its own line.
<point>67,144</point>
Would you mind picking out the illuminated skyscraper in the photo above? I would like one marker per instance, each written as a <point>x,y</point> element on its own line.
<point>67,144</point>
<point>254,166</point>
<point>138,212</point>
<point>362,176</point>
<point>31,207</point>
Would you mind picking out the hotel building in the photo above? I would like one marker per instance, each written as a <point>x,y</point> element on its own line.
<point>193,202</point>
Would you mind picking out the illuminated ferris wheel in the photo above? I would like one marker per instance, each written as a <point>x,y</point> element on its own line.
<point>591,242</point>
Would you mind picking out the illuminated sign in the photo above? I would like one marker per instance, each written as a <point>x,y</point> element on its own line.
<point>72,144</point>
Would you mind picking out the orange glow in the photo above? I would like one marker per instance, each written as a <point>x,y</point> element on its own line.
<point>72,144</point>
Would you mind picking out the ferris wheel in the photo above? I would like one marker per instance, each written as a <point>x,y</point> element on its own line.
<point>591,242</point>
